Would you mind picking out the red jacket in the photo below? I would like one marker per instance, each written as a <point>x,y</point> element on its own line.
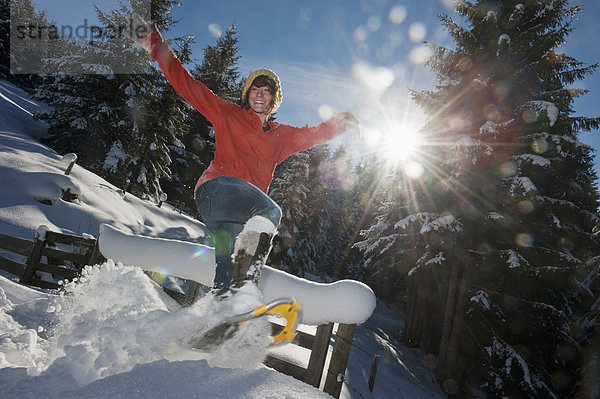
<point>243,150</point>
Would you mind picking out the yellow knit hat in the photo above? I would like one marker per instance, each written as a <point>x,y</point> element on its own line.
<point>277,97</point>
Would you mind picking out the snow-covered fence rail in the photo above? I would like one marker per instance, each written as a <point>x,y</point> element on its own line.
<point>61,255</point>
<point>346,302</point>
<point>318,345</point>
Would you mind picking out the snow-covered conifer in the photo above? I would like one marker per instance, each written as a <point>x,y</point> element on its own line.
<point>120,125</point>
<point>4,38</point>
<point>292,250</point>
<point>500,231</point>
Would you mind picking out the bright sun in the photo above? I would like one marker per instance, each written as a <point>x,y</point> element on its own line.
<point>401,143</point>
<point>398,144</point>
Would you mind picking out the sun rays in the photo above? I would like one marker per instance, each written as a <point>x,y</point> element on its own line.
<point>400,143</point>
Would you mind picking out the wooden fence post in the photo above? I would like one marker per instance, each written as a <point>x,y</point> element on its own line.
<point>374,366</point>
<point>318,355</point>
<point>339,359</point>
<point>72,159</point>
<point>96,256</point>
<point>33,259</point>
<point>161,199</point>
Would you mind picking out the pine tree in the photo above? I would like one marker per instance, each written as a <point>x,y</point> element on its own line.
<point>159,115</point>
<point>292,250</point>
<point>100,117</point>
<point>167,123</point>
<point>121,126</point>
<point>28,46</point>
<point>4,38</point>
<point>499,232</point>
<point>73,103</point>
<point>219,71</point>
<point>20,58</point>
<point>366,195</point>
<point>332,224</point>
<point>314,190</point>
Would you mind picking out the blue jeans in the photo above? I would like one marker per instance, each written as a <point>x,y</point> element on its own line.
<point>225,204</point>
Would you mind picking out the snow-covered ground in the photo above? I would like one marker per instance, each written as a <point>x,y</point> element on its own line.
<point>114,332</point>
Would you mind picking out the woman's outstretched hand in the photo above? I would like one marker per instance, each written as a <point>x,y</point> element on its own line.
<point>138,30</point>
<point>350,123</point>
<point>135,27</point>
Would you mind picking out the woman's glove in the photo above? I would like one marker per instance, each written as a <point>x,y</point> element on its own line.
<point>350,124</point>
<point>135,27</point>
<point>141,32</point>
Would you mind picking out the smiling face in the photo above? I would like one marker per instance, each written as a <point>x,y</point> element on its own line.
<point>260,99</point>
<point>261,96</point>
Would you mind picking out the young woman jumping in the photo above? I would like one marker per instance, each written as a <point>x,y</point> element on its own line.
<point>231,194</point>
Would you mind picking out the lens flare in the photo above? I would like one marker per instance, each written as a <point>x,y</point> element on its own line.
<point>540,146</point>
<point>374,23</point>
<point>524,240</point>
<point>507,169</point>
<point>414,170</point>
<point>200,251</point>
<point>525,206</point>
<point>529,116</point>
<point>441,187</point>
<point>417,32</point>
<point>398,14</point>
<point>375,78</point>
<point>484,247</point>
<point>159,277</point>
<point>215,30</point>
<point>420,54</point>
<point>360,35</point>
<point>325,112</point>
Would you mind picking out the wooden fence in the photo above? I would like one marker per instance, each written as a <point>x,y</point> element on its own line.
<point>63,256</point>
<point>319,346</point>
<point>60,255</point>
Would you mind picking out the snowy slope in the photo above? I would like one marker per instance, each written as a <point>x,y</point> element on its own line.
<point>115,332</point>
<point>31,172</point>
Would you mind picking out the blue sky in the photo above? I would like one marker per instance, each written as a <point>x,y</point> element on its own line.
<point>324,51</point>
<point>356,55</point>
<point>319,48</point>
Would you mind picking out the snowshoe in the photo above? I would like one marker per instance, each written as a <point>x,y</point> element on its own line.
<point>288,309</point>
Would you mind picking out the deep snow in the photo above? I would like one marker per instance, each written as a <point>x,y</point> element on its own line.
<point>115,333</point>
